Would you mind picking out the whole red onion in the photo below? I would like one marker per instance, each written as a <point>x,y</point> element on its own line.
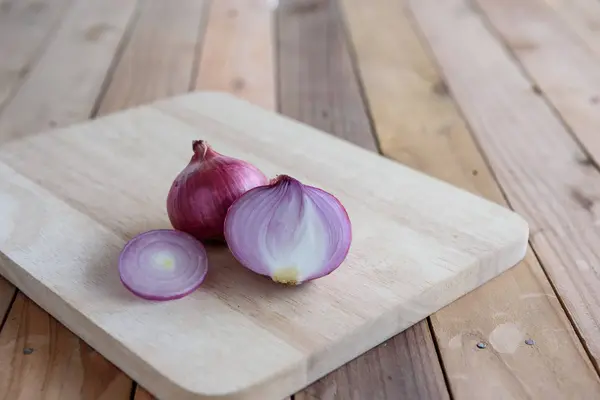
<point>204,190</point>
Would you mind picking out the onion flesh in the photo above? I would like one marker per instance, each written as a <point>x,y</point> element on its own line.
<point>163,264</point>
<point>288,231</point>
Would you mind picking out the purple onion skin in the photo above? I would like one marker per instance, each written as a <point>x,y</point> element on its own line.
<point>161,298</point>
<point>203,191</point>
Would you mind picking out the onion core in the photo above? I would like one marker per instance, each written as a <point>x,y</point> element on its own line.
<point>288,231</point>
<point>163,264</point>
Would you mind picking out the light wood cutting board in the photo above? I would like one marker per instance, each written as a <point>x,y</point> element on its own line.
<point>71,198</point>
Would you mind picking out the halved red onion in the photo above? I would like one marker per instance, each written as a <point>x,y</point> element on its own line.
<point>288,231</point>
<point>163,264</point>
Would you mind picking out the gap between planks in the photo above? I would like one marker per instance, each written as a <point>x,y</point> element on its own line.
<point>534,156</point>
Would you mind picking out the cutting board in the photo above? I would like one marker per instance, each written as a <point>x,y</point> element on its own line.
<point>71,198</point>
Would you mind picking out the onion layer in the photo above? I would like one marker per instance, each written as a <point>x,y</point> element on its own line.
<point>163,264</point>
<point>288,231</point>
<point>202,192</point>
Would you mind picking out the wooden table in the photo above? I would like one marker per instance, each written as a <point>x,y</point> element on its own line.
<point>500,97</point>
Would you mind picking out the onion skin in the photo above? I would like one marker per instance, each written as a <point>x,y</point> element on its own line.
<point>203,191</point>
<point>288,231</point>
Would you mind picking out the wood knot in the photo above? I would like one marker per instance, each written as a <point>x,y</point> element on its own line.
<point>238,84</point>
<point>585,161</point>
<point>582,199</point>
<point>93,33</point>
<point>23,72</point>
<point>440,88</point>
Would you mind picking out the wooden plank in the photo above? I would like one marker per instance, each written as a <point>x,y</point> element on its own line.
<point>397,369</point>
<point>237,51</point>
<point>89,32</point>
<point>26,27</point>
<point>541,168</point>
<point>40,359</point>
<point>418,123</point>
<point>560,64</point>
<point>158,61</point>
<point>317,85</point>
<point>583,16</point>
<point>63,85</point>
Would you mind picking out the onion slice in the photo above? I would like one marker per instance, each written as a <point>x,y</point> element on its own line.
<point>163,264</point>
<point>288,231</point>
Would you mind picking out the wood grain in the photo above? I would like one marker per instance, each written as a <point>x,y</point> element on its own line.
<point>400,368</point>
<point>418,123</point>
<point>317,83</point>
<point>26,27</point>
<point>48,362</point>
<point>318,86</point>
<point>583,17</point>
<point>418,245</point>
<point>543,172</point>
<point>62,86</point>
<point>158,61</point>
<point>237,51</point>
<point>562,66</point>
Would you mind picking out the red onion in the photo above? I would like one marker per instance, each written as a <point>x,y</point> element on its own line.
<point>202,192</point>
<point>163,264</point>
<point>288,231</point>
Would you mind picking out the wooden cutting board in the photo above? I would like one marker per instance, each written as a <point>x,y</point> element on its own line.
<point>71,198</point>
